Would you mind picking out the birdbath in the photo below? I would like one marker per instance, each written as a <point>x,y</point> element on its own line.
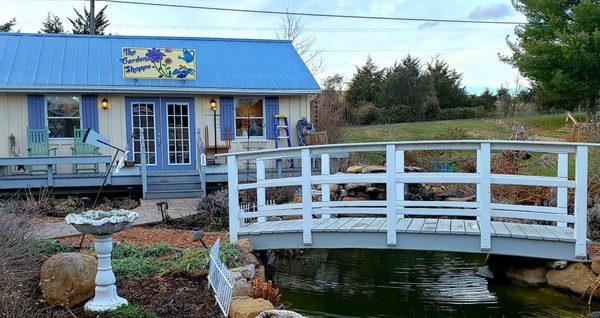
<point>102,224</point>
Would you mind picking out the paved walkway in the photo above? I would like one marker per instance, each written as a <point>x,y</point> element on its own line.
<point>147,210</point>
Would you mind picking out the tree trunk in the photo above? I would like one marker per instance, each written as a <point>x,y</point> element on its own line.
<point>591,110</point>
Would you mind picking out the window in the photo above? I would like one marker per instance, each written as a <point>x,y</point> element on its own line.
<point>249,118</point>
<point>63,115</point>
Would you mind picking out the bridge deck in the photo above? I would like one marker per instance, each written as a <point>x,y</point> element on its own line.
<point>459,235</point>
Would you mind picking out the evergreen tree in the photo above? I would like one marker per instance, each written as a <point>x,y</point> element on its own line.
<point>364,85</point>
<point>558,50</point>
<point>8,26</point>
<point>52,24</point>
<point>81,23</point>
<point>487,99</point>
<point>447,85</point>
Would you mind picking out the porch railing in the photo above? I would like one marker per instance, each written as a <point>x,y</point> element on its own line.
<point>395,205</point>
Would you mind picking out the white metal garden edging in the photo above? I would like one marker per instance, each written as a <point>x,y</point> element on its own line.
<point>220,279</point>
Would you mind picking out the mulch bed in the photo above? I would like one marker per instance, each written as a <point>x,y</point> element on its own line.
<point>154,234</point>
<point>171,296</point>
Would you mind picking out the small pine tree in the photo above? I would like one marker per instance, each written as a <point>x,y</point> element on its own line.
<point>8,26</point>
<point>81,23</point>
<point>52,24</point>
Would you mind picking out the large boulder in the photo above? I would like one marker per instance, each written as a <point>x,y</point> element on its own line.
<point>279,314</point>
<point>68,279</point>
<point>246,307</point>
<point>535,276</point>
<point>354,169</point>
<point>244,245</point>
<point>240,288</point>
<point>576,278</point>
<point>247,271</point>
<point>596,265</point>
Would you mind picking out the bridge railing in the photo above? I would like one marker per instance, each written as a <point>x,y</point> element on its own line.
<point>396,206</point>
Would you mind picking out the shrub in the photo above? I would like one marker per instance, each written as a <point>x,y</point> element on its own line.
<point>213,212</point>
<point>130,311</point>
<point>48,247</point>
<point>593,232</point>
<point>461,113</point>
<point>131,260</point>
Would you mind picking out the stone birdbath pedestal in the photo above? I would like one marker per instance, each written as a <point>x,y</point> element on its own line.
<point>102,224</point>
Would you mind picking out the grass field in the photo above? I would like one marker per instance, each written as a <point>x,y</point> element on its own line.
<point>547,127</point>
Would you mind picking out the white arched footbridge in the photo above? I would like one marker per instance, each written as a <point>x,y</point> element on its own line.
<point>481,226</point>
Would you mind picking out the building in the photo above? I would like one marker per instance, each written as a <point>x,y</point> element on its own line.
<point>118,85</point>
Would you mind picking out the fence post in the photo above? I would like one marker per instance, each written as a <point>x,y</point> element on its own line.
<point>143,163</point>
<point>485,196</point>
<point>562,193</point>
<point>261,196</point>
<point>306,198</point>
<point>234,201</point>
<point>478,186</point>
<point>581,175</point>
<point>399,186</point>
<point>325,190</point>
<point>390,159</point>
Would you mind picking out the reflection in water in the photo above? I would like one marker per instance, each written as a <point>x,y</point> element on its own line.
<point>385,283</point>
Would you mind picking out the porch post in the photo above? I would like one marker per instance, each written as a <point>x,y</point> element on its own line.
<point>581,189</point>
<point>484,196</point>
<point>390,159</point>
<point>234,203</point>
<point>306,198</point>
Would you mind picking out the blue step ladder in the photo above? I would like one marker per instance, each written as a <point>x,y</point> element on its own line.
<point>281,124</point>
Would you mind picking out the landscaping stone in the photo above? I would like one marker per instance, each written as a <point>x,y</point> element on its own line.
<point>596,265</point>
<point>247,271</point>
<point>535,276</point>
<point>374,169</point>
<point>260,273</point>
<point>279,314</point>
<point>68,279</point>
<point>240,288</point>
<point>557,264</point>
<point>354,169</point>
<point>244,245</point>
<point>576,278</point>
<point>485,272</point>
<point>246,307</point>
<point>251,259</point>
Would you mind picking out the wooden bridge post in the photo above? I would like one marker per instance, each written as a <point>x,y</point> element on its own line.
<point>400,186</point>
<point>581,175</point>
<point>261,195</point>
<point>325,191</point>
<point>562,195</point>
<point>306,198</point>
<point>390,159</point>
<point>234,201</point>
<point>484,196</point>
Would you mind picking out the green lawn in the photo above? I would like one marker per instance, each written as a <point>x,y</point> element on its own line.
<point>547,127</point>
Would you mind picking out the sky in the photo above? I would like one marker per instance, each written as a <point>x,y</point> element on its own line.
<point>471,49</point>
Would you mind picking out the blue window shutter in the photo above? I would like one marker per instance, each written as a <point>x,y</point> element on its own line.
<point>36,111</point>
<point>227,118</point>
<point>89,112</point>
<point>271,110</point>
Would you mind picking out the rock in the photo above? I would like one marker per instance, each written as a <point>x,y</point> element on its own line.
<point>343,193</point>
<point>354,169</point>
<point>246,307</point>
<point>551,264</point>
<point>248,271</point>
<point>535,276</point>
<point>251,259</point>
<point>279,314</point>
<point>240,288</point>
<point>576,278</point>
<point>68,279</point>
<point>413,169</point>
<point>260,273</point>
<point>465,199</point>
<point>596,265</point>
<point>374,190</point>
<point>485,272</point>
<point>374,169</point>
<point>297,199</point>
<point>244,245</point>
<point>355,187</point>
<point>352,199</point>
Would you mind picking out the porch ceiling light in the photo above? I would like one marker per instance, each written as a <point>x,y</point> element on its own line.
<point>104,103</point>
<point>213,104</point>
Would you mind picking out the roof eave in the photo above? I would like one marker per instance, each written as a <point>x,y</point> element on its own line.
<point>154,90</point>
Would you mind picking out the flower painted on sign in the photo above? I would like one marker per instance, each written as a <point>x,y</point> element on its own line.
<point>168,50</point>
<point>155,55</point>
<point>168,60</point>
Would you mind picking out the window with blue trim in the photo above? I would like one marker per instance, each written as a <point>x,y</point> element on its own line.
<point>249,118</point>
<point>63,115</point>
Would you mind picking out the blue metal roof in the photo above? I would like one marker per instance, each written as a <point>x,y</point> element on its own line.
<point>67,62</point>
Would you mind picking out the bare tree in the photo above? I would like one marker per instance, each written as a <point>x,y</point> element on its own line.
<point>292,27</point>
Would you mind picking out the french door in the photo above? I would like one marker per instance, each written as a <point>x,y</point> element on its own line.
<point>169,129</point>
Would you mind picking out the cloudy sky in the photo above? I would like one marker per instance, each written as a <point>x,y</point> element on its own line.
<point>471,49</point>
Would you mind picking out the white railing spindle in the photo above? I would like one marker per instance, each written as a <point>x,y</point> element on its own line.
<point>390,159</point>
<point>325,190</point>
<point>562,193</point>
<point>581,175</point>
<point>306,197</point>
<point>234,201</point>
<point>485,196</point>
<point>400,186</point>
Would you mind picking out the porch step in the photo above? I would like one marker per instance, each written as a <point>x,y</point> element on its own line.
<point>179,194</point>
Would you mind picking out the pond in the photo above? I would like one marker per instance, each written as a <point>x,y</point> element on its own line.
<point>386,283</point>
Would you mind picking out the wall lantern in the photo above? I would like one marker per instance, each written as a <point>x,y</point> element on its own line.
<point>104,103</point>
<point>213,104</point>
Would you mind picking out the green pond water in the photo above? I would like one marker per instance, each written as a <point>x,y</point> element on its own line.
<point>386,283</point>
